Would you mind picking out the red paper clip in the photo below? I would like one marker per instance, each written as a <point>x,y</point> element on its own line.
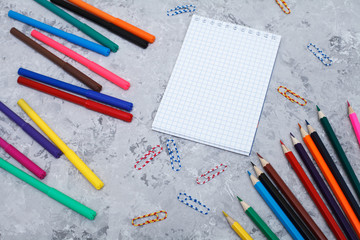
<point>157,219</point>
<point>208,178</point>
<point>151,154</point>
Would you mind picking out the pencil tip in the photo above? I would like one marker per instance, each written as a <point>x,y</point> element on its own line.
<point>317,107</point>
<point>249,173</point>
<point>281,142</point>
<point>225,214</point>
<point>259,155</point>
<point>253,164</point>
<point>307,123</point>
<point>299,125</point>
<point>239,198</point>
<point>292,135</point>
<point>348,103</point>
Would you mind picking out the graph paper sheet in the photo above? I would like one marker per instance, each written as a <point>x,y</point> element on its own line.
<point>218,86</point>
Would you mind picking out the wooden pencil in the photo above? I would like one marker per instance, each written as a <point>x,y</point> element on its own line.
<point>329,177</point>
<point>354,121</point>
<point>311,189</point>
<point>285,206</point>
<point>240,231</point>
<point>340,152</point>
<point>285,190</point>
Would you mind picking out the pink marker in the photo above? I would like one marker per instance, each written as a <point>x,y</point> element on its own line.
<point>112,77</point>
<point>22,159</point>
<point>354,121</point>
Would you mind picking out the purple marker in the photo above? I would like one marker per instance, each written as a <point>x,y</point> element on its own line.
<point>32,132</point>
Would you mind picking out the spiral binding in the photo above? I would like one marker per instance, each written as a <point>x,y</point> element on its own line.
<point>171,154</point>
<point>181,9</point>
<point>208,178</point>
<point>323,56</point>
<point>152,153</point>
<point>157,219</point>
<point>293,93</point>
<point>195,201</point>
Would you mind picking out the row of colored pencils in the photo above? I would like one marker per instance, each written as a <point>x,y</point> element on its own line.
<point>343,213</point>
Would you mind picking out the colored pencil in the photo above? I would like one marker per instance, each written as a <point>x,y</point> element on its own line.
<point>109,26</point>
<point>70,154</point>
<point>285,206</point>
<point>237,228</point>
<point>354,121</point>
<point>294,202</point>
<point>116,21</point>
<point>335,171</point>
<point>58,61</point>
<point>312,191</point>
<point>260,188</point>
<point>329,177</point>
<point>340,152</point>
<point>259,222</point>
<point>89,104</point>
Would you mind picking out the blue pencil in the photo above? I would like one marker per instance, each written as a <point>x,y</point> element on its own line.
<point>57,32</point>
<point>260,188</point>
<point>78,90</point>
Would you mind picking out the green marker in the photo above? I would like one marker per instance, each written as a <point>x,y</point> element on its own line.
<point>51,192</point>
<point>81,26</point>
<point>258,221</point>
<point>339,151</point>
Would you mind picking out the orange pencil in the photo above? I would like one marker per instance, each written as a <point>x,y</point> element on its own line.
<point>116,21</point>
<point>331,181</point>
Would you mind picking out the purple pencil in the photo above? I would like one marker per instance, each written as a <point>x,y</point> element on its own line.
<point>22,159</point>
<point>344,224</point>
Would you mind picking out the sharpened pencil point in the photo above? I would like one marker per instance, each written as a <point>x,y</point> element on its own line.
<point>253,164</point>
<point>307,123</point>
<point>239,199</point>
<point>292,135</point>
<point>249,173</point>
<point>317,108</point>
<point>299,125</point>
<point>282,143</point>
<point>225,214</point>
<point>348,103</point>
<point>259,155</point>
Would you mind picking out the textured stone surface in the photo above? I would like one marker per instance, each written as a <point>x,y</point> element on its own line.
<point>110,147</point>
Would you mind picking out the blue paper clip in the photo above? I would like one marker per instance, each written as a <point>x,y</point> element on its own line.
<point>323,58</point>
<point>189,198</point>
<point>172,157</point>
<point>181,9</point>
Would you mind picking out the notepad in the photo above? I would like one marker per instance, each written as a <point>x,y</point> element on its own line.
<point>217,89</point>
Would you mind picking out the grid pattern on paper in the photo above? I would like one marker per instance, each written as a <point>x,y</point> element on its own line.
<point>218,85</point>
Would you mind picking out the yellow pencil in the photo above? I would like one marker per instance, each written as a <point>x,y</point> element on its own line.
<point>70,154</point>
<point>238,228</point>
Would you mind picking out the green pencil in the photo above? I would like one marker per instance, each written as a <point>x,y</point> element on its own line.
<point>258,221</point>
<point>340,152</point>
<point>51,192</point>
<point>81,26</point>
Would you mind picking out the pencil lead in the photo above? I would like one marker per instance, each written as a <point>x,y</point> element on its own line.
<point>299,125</point>
<point>348,103</point>
<point>317,108</point>
<point>307,123</point>
<point>292,135</point>
<point>281,142</point>
<point>259,155</point>
<point>225,214</point>
<point>253,164</point>
<point>249,173</point>
<point>239,199</point>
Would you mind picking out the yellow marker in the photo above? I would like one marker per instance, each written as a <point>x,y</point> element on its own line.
<point>70,154</point>
<point>238,228</point>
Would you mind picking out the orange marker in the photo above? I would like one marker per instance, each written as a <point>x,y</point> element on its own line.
<point>331,181</point>
<point>116,21</point>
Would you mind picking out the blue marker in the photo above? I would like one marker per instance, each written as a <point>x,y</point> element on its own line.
<point>57,32</point>
<point>275,208</point>
<point>78,90</point>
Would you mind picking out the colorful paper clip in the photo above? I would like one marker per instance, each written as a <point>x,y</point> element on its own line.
<point>157,219</point>
<point>283,7</point>
<point>323,58</point>
<point>293,93</point>
<point>151,154</point>
<point>189,198</point>
<point>171,154</point>
<point>208,178</point>
<point>181,9</point>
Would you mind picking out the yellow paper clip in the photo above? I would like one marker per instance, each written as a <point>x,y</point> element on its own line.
<point>293,93</point>
<point>157,219</point>
<point>283,7</point>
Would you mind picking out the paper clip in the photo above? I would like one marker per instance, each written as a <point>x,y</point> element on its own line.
<point>171,154</point>
<point>324,59</point>
<point>208,178</point>
<point>293,93</point>
<point>189,198</point>
<point>152,153</point>
<point>181,9</point>
<point>282,7</point>
<point>157,219</point>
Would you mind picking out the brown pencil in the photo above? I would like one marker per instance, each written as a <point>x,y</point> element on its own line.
<point>285,190</point>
